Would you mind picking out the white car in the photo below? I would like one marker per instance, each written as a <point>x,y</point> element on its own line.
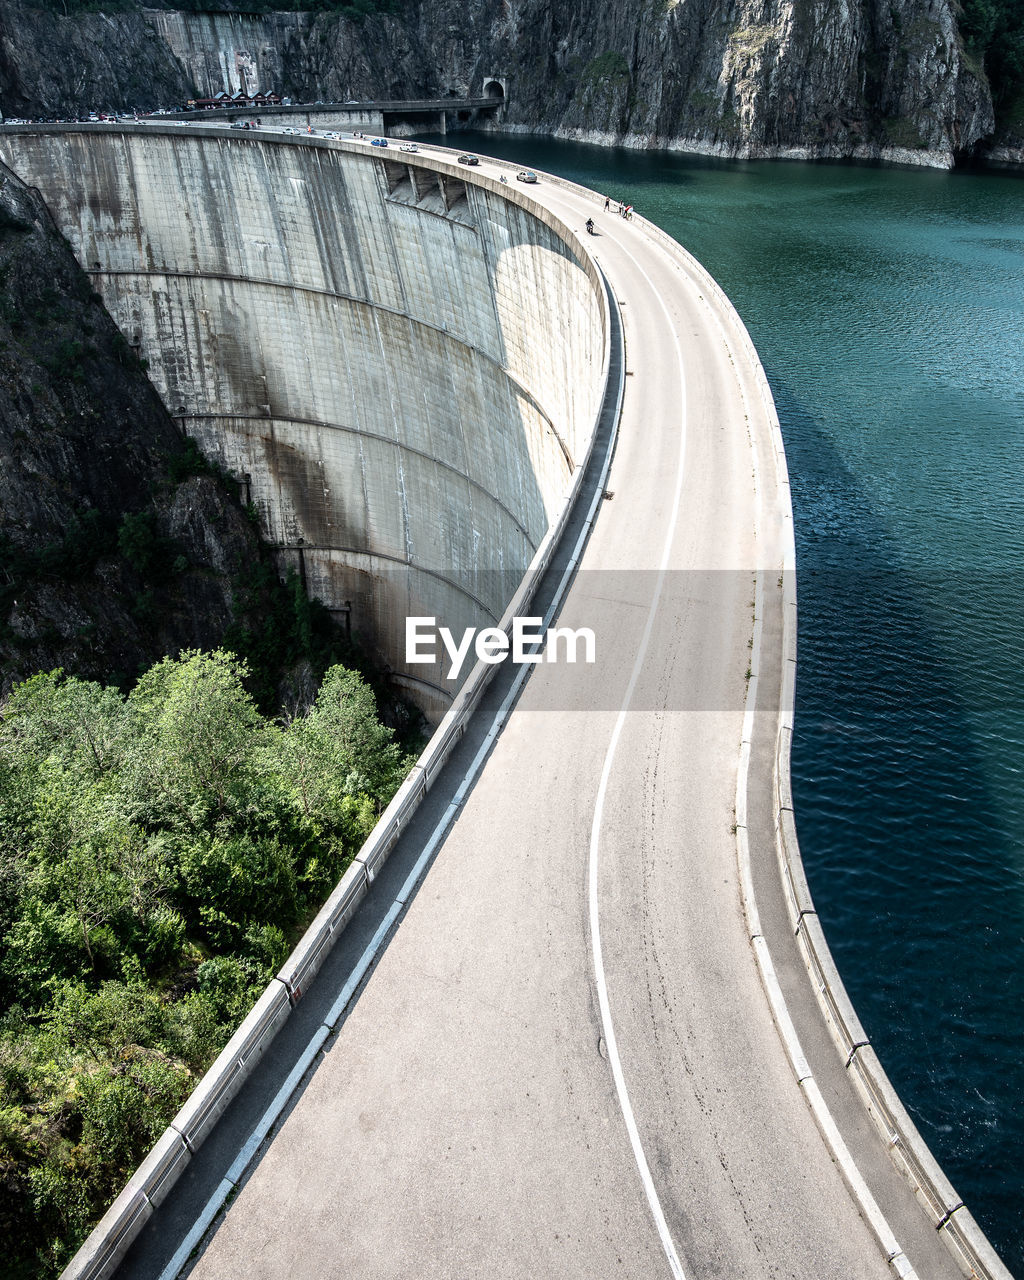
<point>408,146</point>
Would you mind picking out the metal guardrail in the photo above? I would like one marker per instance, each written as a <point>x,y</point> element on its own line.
<point>101,1253</point>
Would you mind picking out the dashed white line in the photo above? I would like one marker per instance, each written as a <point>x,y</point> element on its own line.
<point>607,1027</point>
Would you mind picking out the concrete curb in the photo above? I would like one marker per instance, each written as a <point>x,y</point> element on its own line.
<point>946,1211</point>
<point>100,1255</point>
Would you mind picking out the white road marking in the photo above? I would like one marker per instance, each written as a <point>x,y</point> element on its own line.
<point>854,1179</point>
<point>611,1044</point>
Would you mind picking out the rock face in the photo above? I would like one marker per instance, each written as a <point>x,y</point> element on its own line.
<point>55,65</point>
<point>801,78</point>
<point>116,543</point>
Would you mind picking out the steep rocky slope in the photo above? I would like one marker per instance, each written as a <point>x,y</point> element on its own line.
<point>822,78</point>
<point>52,64</point>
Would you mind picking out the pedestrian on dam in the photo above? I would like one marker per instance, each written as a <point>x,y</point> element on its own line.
<point>607,203</point>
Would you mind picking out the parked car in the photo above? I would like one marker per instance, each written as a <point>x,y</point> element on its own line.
<point>526,175</point>
<point>378,142</point>
<point>408,146</point>
<point>468,159</point>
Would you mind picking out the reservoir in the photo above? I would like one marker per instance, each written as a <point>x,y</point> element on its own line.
<point>888,308</point>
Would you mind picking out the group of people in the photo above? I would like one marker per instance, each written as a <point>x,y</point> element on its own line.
<point>624,210</point>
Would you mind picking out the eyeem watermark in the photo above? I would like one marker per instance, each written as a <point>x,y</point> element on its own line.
<point>529,642</point>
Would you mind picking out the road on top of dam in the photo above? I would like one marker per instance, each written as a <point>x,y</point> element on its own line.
<point>504,1098</point>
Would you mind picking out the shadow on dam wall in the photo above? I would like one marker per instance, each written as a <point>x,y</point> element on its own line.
<point>401,365</point>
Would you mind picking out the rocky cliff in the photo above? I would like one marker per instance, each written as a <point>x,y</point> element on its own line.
<point>814,78</point>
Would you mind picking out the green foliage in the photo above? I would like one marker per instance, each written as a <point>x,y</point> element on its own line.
<point>68,358</point>
<point>275,626</point>
<point>188,461</point>
<point>159,854</point>
<point>141,545</point>
<point>993,31</point>
<point>607,66</point>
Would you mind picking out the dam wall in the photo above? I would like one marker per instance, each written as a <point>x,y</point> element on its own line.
<point>401,364</point>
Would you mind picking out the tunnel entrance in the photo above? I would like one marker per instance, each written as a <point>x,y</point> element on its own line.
<point>494,90</point>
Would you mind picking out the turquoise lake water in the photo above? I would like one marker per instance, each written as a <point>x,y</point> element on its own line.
<point>888,309</point>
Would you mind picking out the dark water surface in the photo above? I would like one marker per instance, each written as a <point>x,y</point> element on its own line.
<point>888,309</point>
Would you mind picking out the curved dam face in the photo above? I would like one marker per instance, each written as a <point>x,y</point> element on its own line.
<point>403,365</point>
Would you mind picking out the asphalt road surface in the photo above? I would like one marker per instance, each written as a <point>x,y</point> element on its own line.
<point>564,1064</point>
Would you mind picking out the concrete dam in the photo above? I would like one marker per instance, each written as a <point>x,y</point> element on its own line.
<point>402,367</point>
<point>591,1047</point>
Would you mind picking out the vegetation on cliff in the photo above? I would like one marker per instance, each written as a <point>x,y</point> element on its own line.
<point>159,854</point>
<point>993,32</point>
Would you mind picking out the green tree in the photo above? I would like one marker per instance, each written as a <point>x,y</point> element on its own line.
<point>76,722</point>
<point>993,30</point>
<point>198,739</point>
<point>339,750</point>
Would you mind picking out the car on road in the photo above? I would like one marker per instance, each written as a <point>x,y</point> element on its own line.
<point>466,158</point>
<point>408,146</point>
<point>378,142</point>
<point>526,175</point>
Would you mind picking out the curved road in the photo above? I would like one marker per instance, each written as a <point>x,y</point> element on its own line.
<point>564,1063</point>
